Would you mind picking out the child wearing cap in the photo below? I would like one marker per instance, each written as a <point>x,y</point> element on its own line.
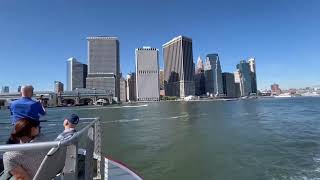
<point>69,124</point>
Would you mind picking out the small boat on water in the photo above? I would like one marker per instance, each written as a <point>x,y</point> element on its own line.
<point>284,95</point>
<point>65,160</point>
<point>101,102</point>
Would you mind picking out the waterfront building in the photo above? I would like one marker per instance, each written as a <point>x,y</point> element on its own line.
<point>199,78</point>
<point>123,90</point>
<point>5,89</point>
<point>178,67</point>
<point>76,74</point>
<point>147,74</point>
<point>131,87</point>
<point>237,83</point>
<point>161,82</point>
<point>19,88</point>
<point>161,79</point>
<point>252,64</point>
<point>212,71</point>
<point>229,87</point>
<point>58,87</point>
<point>245,78</point>
<point>104,64</point>
<point>275,89</point>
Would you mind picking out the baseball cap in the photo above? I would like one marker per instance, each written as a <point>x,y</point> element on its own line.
<point>73,119</point>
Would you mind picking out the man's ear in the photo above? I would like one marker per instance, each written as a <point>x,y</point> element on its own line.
<point>66,122</point>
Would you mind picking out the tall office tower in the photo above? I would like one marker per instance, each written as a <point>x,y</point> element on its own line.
<point>212,71</point>
<point>161,79</point>
<point>199,78</point>
<point>199,66</point>
<point>178,67</point>
<point>147,74</point>
<point>237,83</point>
<point>5,89</point>
<point>252,64</point>
<point>123,90</point>
<point>229,87</point>
<point>104,64</point>
<point>161,82</point>
<point>131,87</point>
<point>245,78</point>
<point>58,87</point>
<point>19,88</point>
<point>76,74</point>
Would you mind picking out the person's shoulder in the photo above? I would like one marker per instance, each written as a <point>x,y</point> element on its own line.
<point>23,101</point>
<point>15,101</point>
<point>35,103</point>
<point>10,155</point>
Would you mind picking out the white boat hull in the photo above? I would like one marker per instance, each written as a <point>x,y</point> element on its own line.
<point>118,171</point>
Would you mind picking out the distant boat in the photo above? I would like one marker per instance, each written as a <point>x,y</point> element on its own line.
<point>285,95</point>
<point>101,102</point>
<point>310,94</point>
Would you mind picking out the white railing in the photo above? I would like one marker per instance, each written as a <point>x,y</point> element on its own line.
<point>70,170</point>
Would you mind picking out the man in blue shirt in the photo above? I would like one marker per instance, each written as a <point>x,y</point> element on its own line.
<point>25,107</point>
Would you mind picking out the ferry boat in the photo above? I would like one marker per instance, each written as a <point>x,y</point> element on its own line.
<point>65,160</point>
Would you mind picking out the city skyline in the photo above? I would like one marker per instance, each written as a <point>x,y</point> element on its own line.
<point>46,37</point>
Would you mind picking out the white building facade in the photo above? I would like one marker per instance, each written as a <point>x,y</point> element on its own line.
<point>147,74</point>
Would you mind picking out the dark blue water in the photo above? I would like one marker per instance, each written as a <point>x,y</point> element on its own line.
<point>243,140</point>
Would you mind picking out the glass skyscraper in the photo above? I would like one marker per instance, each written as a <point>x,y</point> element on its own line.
<point>229,86</point>
<point>212,71</point>
<point>252,64</point>
<point>76,74</point>
<point>245,78</point>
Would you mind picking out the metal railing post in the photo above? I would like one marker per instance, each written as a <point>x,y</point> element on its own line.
<point>70,170</point>
<point>89,154</point>
<point>97,150</point>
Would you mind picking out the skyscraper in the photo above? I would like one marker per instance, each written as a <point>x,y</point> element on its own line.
<point>178,67</point>
<point>199,78</point>
<point>123,90</point>
<point>229,87</point>
<point>199,66</point>
<point>58,87</point>
<point>212,71</point>
<point>237,83</point>
<point>5,89</point>
<point>245,78</point>
<point>252,64</point>
<point>161,82</point>
<point>147,74</point>
<point>76,74</point>
<point>275,89</point>
<point>104,64</point>
<point>131,87</point>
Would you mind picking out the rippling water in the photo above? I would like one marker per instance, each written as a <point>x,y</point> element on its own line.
<point>243,140</point>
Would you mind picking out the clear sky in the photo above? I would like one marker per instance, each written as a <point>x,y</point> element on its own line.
<point>38,36</point>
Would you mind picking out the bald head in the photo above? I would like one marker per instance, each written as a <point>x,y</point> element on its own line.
<point>27,91</point>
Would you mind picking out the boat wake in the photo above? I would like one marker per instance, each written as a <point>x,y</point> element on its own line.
<point>122,121</point>
<point>177,117</point>
<point>102,107</point>
<point>135,120</point>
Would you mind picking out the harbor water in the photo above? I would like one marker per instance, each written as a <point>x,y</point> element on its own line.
<point>225,140</point>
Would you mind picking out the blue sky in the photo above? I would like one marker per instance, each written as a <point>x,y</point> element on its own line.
<point>38,36</point>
